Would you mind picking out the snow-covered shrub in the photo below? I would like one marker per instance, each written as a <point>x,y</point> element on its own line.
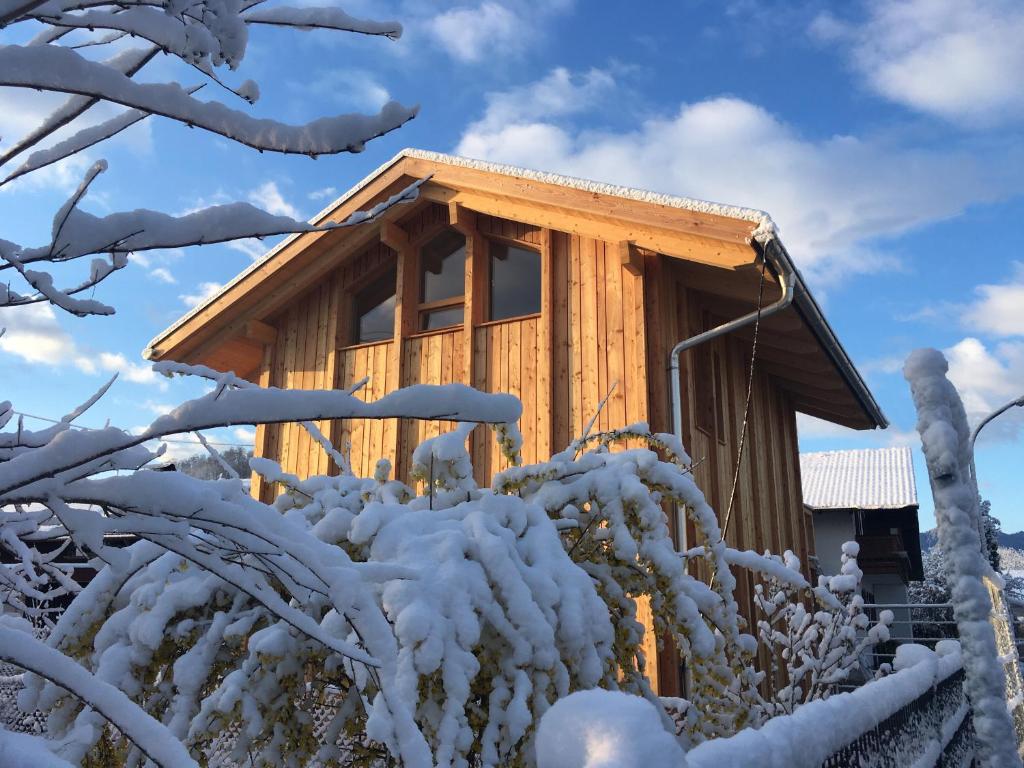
<point>610,507</point>
<point>498,603</point>
<point>815,637</point>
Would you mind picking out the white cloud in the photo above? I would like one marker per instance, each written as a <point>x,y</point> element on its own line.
<point>999,309</point>
<point>812,428</point>
<point>559,94</point>
<point>268,197</point>
<point>203,292</point>
<point>34,334</point>
<point>138,373</point>
<point>250,246</point>
<point>490,30</point>
<point>327,193</point>
<point>830,197</point>
<point>244,434</point>
<point>958,60</point>
<point>218,197</point>
<point>468,34</point>
<point>159,409</point>
<point>23,110</point>
<point>988,378</point>
<point>355,88</point>
<point>163,275</point>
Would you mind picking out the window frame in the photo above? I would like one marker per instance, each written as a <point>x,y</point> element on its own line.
<point>354,292</point>
<point>485,283</point>
<point>349,320</point>
<point>422,308</point>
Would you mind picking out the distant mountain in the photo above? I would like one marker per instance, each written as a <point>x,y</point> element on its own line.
<point>929,539</point>
<point>1012,540</point>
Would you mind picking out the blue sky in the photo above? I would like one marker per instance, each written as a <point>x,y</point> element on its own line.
<point>884,138</point>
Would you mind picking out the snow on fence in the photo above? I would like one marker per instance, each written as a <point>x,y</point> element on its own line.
<point>918,716</point>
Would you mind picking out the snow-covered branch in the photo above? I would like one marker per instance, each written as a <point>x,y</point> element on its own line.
<point>62,70</point>
<point>205,35</point>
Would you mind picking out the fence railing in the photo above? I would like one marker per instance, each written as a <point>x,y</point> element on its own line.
<point>934,729</point>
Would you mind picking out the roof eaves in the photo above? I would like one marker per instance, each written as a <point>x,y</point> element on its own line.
<point>815,318</point>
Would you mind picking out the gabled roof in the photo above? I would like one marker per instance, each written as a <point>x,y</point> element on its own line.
<point>872,478</point>
<point>760,220</point>
<point>701,232</point>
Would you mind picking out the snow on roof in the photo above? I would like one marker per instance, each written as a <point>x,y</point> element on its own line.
<point>872,478</point>
<point>764,230</point>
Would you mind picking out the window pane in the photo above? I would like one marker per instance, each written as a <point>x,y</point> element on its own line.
<point>375,311</point>
<point>441,318</point>
<point>515,281</point>
<point>443,267</point>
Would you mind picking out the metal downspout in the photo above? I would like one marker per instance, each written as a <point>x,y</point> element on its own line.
<point>787,281</point>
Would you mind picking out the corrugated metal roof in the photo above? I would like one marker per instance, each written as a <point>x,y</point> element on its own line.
<point>871,478</point>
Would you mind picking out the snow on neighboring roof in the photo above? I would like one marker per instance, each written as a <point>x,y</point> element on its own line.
<point>765,229</point>
<point>872,478</point>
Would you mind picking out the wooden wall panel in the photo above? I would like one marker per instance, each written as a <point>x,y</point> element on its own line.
<point>367,441</point>
<point>598,337</point>
<point>434,358</point>
<point>506,355</point>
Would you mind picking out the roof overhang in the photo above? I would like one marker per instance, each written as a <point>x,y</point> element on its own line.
<point>708,234</point>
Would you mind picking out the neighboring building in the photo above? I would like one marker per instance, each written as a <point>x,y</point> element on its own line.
<point>559,291</point>
<point>868,496</point>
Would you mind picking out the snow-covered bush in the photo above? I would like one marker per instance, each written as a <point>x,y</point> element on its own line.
<point>497,603</point>
<point>815,637</point>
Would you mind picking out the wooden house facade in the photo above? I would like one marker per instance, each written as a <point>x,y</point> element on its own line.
<point>561,292</point>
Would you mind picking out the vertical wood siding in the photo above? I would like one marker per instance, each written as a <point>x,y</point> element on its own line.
<point>603,332</point>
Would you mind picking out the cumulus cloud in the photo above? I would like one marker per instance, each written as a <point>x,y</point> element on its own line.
<point>490,30</point>
<point>203,292</point>
<point>469,33</point>
<point>163,275</point>
<point>268,197</point>
<point>988,377</point>
<point>249,247</point>
<point>999,308</point>
<point>34,334</point>
<point>957,60</point>
<point>812,428</point>
<point>832,197</point>
<point>355,88</point>
<point>23,110</point>
<point>137,373</point>
<point>327,193</point>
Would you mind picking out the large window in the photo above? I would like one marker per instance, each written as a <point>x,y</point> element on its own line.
<point>375,310</point>
<point>515,281</point>
<point>442,281</point>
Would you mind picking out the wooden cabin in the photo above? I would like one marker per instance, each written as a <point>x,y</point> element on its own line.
<point>560,291</point>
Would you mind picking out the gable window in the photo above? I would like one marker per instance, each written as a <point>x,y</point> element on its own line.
<point>515,281</point>
<point>374,308</point>
<point>442,281</point>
